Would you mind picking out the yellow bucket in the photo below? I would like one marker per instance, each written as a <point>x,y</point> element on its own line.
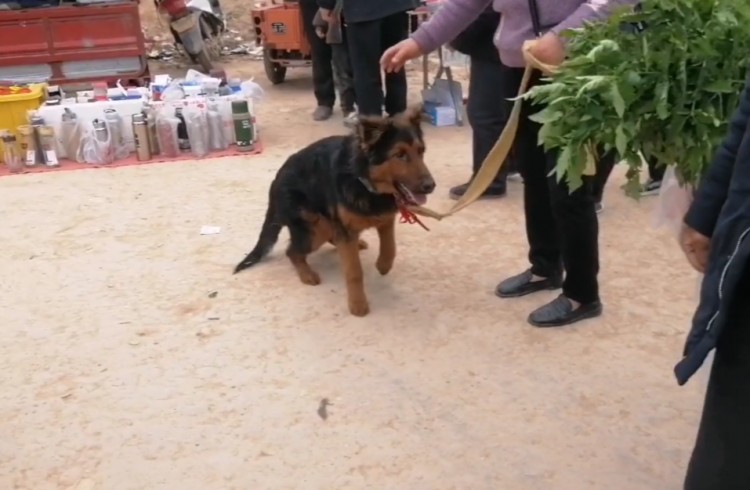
<point>14,106</point>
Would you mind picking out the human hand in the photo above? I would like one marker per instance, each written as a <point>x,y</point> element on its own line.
<point>397,55</point>
<point>325,14</point>
<point>695,246</point>
<point>548,49</point>
<point>320,32</point>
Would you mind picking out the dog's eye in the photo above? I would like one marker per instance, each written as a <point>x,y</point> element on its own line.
<point>404,157</point>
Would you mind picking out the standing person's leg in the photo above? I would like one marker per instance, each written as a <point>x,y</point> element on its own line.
<point>487,113</point>
<point>364,43</point>
<point>604,167</point>
<point>325,91</point>
<point>720,457</point>
<point>578,228</point>
<point>394,29</point>
<point>655,176</point>
<point>342,70</point>
<point>541,228</point>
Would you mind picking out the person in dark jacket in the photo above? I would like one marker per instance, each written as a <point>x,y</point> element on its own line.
<point>372,27</point>
<point>333,33</point>
<point>486,112</point>
<point>716,241</point>
<point>322,63</point>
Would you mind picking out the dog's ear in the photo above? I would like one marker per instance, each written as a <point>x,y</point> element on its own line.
<point>370,129</point>
<point>413,115</point>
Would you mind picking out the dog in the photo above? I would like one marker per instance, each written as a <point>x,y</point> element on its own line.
<point>337,187</point>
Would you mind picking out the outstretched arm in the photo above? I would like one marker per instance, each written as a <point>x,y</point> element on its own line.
<point>449,21</point>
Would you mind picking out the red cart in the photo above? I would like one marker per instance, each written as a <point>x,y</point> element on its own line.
<point>70,44</point>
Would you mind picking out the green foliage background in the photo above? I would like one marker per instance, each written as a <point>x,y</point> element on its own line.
<point>667,92</point>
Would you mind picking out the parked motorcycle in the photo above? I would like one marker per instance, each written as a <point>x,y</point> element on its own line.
<point>196,25</point>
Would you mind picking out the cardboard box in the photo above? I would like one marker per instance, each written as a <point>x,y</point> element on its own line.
<point>439,115</point>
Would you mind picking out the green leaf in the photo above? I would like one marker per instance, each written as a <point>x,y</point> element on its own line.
<point>546,115</point>
<point>563,163</point>
<point>621,140</point>
<point>721,86</point>
<point>662,100</point>
<point>617,101</point>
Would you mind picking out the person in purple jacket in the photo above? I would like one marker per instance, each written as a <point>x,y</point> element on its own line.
<point>561,227</point>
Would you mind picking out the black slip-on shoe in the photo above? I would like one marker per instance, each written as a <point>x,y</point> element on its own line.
<point>524,284</point>
<point>494,191</point>
<point>560,312</point>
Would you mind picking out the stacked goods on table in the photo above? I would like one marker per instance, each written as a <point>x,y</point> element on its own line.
<point>194,116</point>
<point>661,82</point>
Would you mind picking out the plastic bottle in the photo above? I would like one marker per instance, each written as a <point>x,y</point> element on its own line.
<point>197,129</point>
<point>217,139</point>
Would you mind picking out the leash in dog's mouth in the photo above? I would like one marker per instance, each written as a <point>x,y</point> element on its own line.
<point>405,199</point>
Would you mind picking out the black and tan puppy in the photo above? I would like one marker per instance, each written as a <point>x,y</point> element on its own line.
<point>334,189</point>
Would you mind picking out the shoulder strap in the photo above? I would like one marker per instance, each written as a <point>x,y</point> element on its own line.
<point>535,22</point>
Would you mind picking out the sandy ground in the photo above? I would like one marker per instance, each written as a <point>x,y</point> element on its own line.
<point>133,359</point>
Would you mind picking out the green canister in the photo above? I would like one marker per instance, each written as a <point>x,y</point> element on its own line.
<point>244,128</point>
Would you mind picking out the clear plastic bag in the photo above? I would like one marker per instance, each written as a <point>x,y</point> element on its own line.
<point>251,90</point>
<point>71,135</point>
<point>674,201</point>
<point>166,132</point>
<point>173,92</point>
<point>96,146</point>
<point>197,128</point>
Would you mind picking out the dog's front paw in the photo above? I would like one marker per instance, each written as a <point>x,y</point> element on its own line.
<point>384,265</point>
<point>310,277</point>
<point>359,307</point>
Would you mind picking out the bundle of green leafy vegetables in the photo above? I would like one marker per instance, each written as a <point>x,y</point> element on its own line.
<point>666,92</point>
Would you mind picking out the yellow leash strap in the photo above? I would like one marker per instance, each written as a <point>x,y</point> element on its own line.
<point>499,153</point>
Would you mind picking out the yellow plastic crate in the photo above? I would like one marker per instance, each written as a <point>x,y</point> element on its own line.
<point>13,107</point>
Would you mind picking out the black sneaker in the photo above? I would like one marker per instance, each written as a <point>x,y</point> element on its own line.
<point>599,207</point>
<point>494,191</point>
<point>523,284</point>
<point>651,188</point>
<point>560,312</point>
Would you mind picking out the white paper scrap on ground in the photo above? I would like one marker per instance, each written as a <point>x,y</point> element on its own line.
<point>210,230</point>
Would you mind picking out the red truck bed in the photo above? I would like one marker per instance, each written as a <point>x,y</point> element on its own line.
<point>73,43</point>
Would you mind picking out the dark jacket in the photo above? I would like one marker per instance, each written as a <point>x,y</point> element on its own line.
<point>476,40</point>
<point>721,211</point>
<point>367,10</point>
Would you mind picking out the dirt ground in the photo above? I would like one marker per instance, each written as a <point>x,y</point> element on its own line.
<point>133,359</point>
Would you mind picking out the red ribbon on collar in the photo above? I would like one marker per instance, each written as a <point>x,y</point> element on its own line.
<point>409,217</point>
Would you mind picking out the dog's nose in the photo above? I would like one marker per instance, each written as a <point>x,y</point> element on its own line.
<point>427,185</point>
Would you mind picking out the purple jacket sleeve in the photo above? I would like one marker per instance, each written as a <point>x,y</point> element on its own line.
<point>447,22</point>
<point>591,11</point>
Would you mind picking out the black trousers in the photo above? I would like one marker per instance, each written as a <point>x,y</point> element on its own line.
<point>721,458</point>
<point>656,172</point>
<point>604,168</point>
<point>343,76</point>
<point>322,57</point>
<point>487,113</point>
<point>561,227</point>
<point>367,42</point>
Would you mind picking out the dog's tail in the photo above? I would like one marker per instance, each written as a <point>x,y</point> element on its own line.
<point>269,234</point>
